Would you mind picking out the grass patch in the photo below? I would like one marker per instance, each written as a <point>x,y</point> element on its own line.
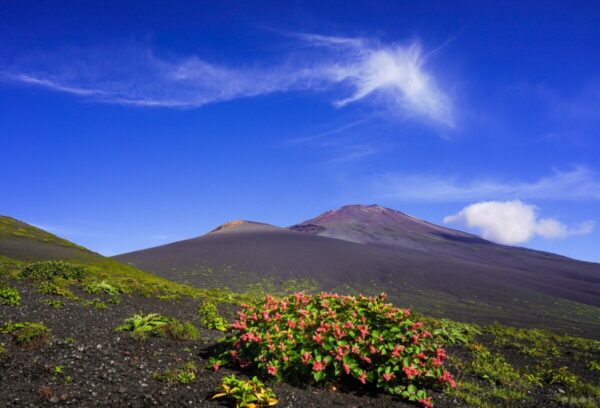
<point>184,374</point>
<point>55,289</point>
<point>28,334</point>
<point>210,318</point>
<point>103,286</point>
<point>9,296</point>
<point>54,303</point>
<point>48,270</point>
<point>153,324</point>
<point>492,367</point>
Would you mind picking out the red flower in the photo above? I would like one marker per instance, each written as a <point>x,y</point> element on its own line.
<point>446,377</point>
<point>346,368</point>
<point>239,325</point>
<point>318,366</point>
<point>388,376</point>
<point>363,377</point>
<point>426,402</point>
<point>216,366</point>
<point>397,350</point>
<point>272,370</point>
<point>318,338</point>
<point>306,357</point>
<point>411,372</point>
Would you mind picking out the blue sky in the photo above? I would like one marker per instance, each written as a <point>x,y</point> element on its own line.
<point>134,125</point>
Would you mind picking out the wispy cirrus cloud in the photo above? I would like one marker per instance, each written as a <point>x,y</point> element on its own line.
<point>390,76</point>
<point>580,183</point>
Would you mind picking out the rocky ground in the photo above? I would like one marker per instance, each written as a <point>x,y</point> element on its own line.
<point>87,363</point>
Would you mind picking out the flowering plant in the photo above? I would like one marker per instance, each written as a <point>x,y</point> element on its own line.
<point>329,337</point>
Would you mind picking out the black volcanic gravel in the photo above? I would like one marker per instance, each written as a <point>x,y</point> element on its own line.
<point>106,368</point>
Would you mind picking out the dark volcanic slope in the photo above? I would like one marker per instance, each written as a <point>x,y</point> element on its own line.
<point>246,253</point>
<point>377,225</point>
<point>374,225</point>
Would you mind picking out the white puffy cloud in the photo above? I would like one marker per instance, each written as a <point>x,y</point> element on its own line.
<point>392,75</point>
<point>513,222</point>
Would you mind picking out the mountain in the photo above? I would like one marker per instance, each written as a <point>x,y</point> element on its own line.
<point>371,249</point>
<point>380,226</point>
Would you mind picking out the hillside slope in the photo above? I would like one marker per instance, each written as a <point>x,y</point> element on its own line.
<point>21,242</point>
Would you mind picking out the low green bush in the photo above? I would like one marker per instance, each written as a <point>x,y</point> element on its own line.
<point>153,324</point>
<point>9,296</point>
<point>48,270</point>
<point>185,374</point>
<point>54,303</point>
<point>246,393</point>
<point>210,318</point>
<point>492,367</point>
<point>103,286</point>
<point>28,334</point>
<point>332,338</point>
<point>52,288</point>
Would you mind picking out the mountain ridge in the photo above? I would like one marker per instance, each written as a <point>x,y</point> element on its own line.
<point>420,264</point>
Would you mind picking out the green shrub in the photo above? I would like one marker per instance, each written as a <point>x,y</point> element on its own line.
<point>492,367</point>
<point>9,296</point>
<point>52,288</point>
<point>179,330</point>
<point>96,287</point>
<point>328,338</point>
<point>54,303</point>
<point>141,326</point>
<point>210,318</point>
<point>184,374</point>
<point>454,332</point>
<point>561,376</point>
<point>48,270</point>
<point>246,393</point>
<point>594,365</point>
<point>28,334</point>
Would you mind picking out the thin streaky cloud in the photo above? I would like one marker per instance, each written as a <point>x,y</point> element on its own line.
<point>319,136</point>
<point>388,77</point>
<point>580,183</point>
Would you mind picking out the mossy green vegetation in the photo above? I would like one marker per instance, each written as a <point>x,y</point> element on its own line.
<point>27,334</point>
<point>153,324</point>
<point>12,228</point>
<point>183,374</point>
<point>54,303</point>
<point>9,296</point>
<point>49,270</point>
<point>210,318</point>
<point>488,379</point>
